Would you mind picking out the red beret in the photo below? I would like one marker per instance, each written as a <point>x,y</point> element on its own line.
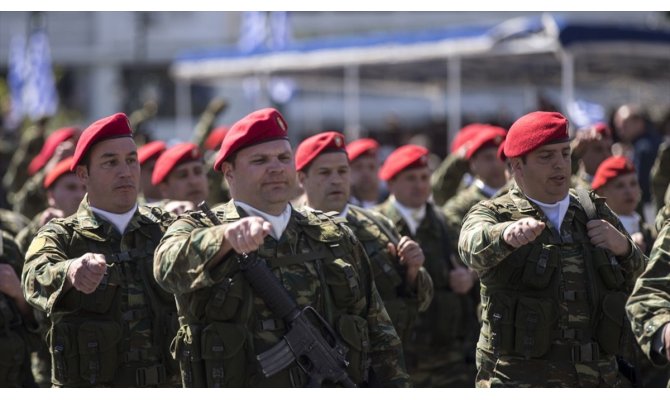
<point>402,158</point>
<point>365,146</point>
<point>172,157</point>
<point>62,168</point>
<point>215,137</point>
<point>150,150</point>
<point>487,136</point>
<point>611,168</point>
<point>111,127</point>
<point>313,146</point>
<point>467,133</point>
<point>534,130</point>
<point>260,126</point>
<point>603,129</point>
<point>501,151</point>
<point>49,148</point>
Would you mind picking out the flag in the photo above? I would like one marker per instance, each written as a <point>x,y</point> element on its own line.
<point>583,113</point>
<point>40,98</point>
<point>280,34</point>
<point>16,76</point>
<point>253,31</point>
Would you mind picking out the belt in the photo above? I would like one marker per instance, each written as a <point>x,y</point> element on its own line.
<point>574,352</point>
<point>152,375</point>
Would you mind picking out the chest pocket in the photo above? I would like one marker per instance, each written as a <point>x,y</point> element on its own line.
<point>387,278</point>
<point>540,265</point>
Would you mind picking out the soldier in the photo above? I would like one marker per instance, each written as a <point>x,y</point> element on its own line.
<point>436,356</point>
<point>648,307</point>
<point>590,147</point>
<point>225,323</point>
<point>31,198</point>
<point>180,174</point>
<point>616,181</point>
<point>218,189</point>
<point>402,281</point>
<point>110,322</point>
<point>147,156</point>
<point>488,172</point>
<point>12,222</point>
<point>64,193</point>
<point>555,269</point>
<point>16,320</point>
<point>364,168</point>
<point>660,174</point>
<point>452,176</point>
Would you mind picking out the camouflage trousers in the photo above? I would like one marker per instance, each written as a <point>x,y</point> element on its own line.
<point>440,367</point>
<point>510,371</point>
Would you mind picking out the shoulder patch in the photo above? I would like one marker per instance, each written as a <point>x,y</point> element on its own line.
<point>37,244</point>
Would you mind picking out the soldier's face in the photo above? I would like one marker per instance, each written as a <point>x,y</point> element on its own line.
<point>623,193</point>
<point>411,187</point>
<point>545,176</point>
<point>187,181</point>
<point>486,165</point>
<point>263,176</point>
<point>112,179</point>
<point>595,153</point>
<point>149,190</point>
<point>364,179</point>
<point>327,182</point>
<point>66,194</point>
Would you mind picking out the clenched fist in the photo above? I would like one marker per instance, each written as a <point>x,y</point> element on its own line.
<point>247,234</point>
<point>523,231</point>
<point>410,255</point>
<point>86,272</point>
<point>603,234</point>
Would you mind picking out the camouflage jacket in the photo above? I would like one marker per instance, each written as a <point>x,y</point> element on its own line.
<point>12,222</point>
<point>32,197</point>
<point>119,334</point>
<point>16,333</point>
<point>455,210</point>
<point>446,180</point>
<point>557,298</point>
<point>448,319</point>
<point>225,324</point>
<point>660,176</point>
<point>402,302</point>
<point>648,307</point>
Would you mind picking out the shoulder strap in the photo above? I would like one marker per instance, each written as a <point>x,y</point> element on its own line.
<point>388,232</point>
<point>587,203</point>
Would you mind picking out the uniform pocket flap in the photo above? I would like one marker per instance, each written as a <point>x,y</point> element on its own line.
<point>222,340</point>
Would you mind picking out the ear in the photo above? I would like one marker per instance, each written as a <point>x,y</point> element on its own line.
<point>50,198</point>
<point>227,170</point>
<point>301,178</point>
<point>82,173</point>
<point>516,165</point>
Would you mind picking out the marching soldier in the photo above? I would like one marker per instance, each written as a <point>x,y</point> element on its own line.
<point>180,174</point>
<point>403,283</point>
<point>147,156</point>
<point>110,322</point>
<point>555,268</point>
<point>228,325</point>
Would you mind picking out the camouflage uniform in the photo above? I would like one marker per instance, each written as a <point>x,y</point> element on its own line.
<point>12,222</point>
<point>446,180</point>
<point>648,307</point>
<point>660,175</point>
<point>32,140</point>
<point>402,302</point>
<point>553,310</point>
<point>40,358</point>
<point>224,324</point>
<point>118,335</point>
<point>436,355</point>
<point>455,210</point>
<point>16,337</point>
<point>32,197</point>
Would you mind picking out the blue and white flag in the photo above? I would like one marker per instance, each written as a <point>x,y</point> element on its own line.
<point>280,32</point>
<point>253,31</point>
<point>583,113</point>
<point>16,76</point>
<point>40,98</point>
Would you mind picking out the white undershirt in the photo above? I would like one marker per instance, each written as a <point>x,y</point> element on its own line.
<point>120,221</point>
<point>554,212</point>
<point>412,216</point>
<point>279,222</point>
<point>488,190</point>
<point>631,222</point>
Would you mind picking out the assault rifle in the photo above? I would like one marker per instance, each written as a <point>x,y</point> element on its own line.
<point>310,341</point>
